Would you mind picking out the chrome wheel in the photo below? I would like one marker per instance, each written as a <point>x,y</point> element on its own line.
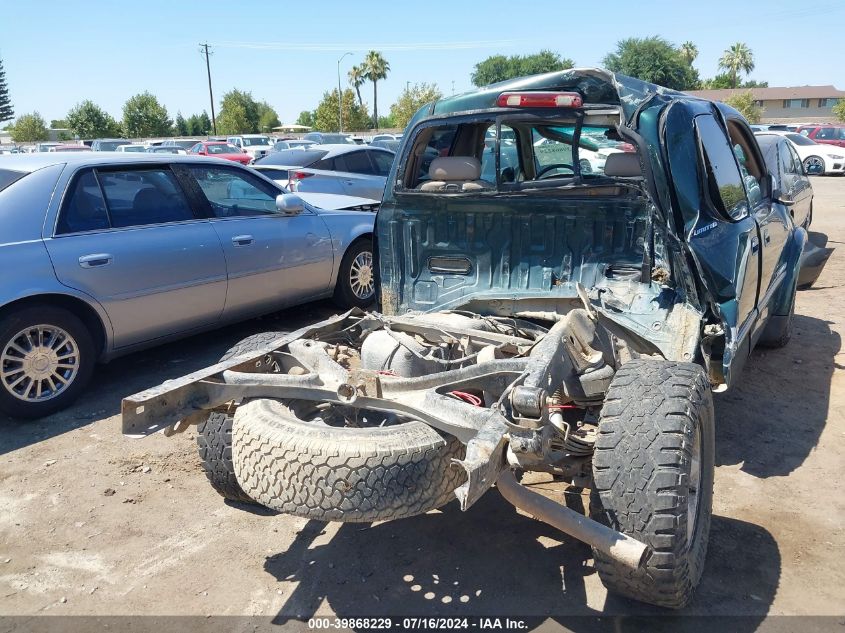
<point>39,363</point>
<point>813,161</point>
<point>694,484</point>
<point>361,275</point>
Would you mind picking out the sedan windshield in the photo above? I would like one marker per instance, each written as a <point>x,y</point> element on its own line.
<point>260,140</point>
<point>799,139</point>
<point>223,149</point>
<point>293,157</point>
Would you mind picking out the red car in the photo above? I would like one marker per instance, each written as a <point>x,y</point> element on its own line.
<point>221,149</point>
<point>826,134</point>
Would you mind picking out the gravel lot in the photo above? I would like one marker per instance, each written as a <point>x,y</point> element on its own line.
<point>92,523</point>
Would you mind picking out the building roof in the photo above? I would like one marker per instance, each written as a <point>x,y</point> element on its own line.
<point>773,94</point>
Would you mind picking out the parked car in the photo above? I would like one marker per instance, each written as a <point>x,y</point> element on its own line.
<point>792,186</point>
<point>324,138</point>
<point>167,149</point>
<point>825,134</point>
<point>69,148</point>
<point>123,252</point>
<point>132,147</point>
<point>44,147</point>
<point>182,143</point>
<point>385,137</point>
<point>391,145</point>
<point>351,170</point>
<point>256,145</point>
<point>108,144</point>
<point>831,159</point>
<point>220,149</point>
<point>556,321</point>
<point>278,146</point>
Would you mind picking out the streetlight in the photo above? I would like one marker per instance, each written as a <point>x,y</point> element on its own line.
<point>340,96</point>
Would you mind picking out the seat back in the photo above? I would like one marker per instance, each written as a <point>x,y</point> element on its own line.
<point>623,165</point>
<point>455,174</point>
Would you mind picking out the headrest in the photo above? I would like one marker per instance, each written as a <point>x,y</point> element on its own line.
<point>623,165</point>
<point>455,168</point>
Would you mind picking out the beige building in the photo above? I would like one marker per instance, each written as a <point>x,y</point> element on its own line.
<point>799,104</point>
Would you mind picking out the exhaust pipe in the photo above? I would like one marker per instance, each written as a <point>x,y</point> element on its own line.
<point>624,549</point>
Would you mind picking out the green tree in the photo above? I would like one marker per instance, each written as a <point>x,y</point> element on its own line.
<point>744,103</point>
<point>736,59</point>
<point>375,69</point>
<point>7,112</point>
<point>689,52</point>
<point>143,115</point>
<point>499,68</point>
<point>355,117</point>
<point>88,120</point>
<point>652,59</point>
<point>181,125</point>
<point>58,124</point>
<point>724,80</point>
<point>306,117</point>
<point>267,117</point>
<point>386,122</point>
<point>202,124</point>
<point>357,78</point>
<point>29,128</point>
<point>239,113</point>
<point>412,99</point>
<point>839,110</point>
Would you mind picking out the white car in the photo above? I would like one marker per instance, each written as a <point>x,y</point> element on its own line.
<point>830,157</point>
<point>134,147</point>
<point>256,145</point>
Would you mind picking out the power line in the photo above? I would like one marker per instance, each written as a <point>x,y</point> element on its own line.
<point>204,50</point>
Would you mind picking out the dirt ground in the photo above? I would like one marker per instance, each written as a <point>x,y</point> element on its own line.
<point>92,523</point>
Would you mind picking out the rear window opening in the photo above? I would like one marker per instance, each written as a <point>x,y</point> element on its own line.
<point>8,177</point>
<point>518,153</point>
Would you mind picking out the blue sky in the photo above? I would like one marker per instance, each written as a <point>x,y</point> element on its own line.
<point>59,52</point>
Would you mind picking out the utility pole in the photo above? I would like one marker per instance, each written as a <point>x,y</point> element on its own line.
<point>340,96</point>
<point>210,94</point>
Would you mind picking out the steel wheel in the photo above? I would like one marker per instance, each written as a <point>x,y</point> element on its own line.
<point>814,161</point>
<point>39,363</point>
<point>361,277</point>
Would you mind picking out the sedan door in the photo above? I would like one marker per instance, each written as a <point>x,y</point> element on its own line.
<point>358,175</point>
<point>129,238</point>
<point>273,259</point>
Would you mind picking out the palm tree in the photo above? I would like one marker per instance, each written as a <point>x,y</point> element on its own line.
<point>375,68</point>
<point>357,77</point>
<point>738,58</point>
<point>689,52</point>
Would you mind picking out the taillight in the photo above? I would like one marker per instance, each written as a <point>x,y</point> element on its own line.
<point>539,99</point>
<point>295,176</point>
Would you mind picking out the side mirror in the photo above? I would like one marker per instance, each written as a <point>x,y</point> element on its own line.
<point>289,203</point>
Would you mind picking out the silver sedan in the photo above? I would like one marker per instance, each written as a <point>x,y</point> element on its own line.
<point>106,254</point>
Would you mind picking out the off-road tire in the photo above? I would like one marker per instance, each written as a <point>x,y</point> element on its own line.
<point>342,474</point>
<point>13,323</point>
<point>641,470</point>
<point>214,436</point>
<point>344,297</point>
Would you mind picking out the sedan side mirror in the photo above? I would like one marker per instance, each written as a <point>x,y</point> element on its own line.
<point>289,203</point>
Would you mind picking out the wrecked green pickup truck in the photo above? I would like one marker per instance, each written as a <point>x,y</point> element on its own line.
<point>569,265</point>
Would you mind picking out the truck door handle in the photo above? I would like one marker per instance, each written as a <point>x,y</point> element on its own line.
<point>98,259</point>
<point>755,244</point>
<point>243,240</point>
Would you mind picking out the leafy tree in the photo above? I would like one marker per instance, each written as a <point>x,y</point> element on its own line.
<point>499,68</point>
<point>724,80</point>
<point>689,52</point>
<point>376,69</point>
<point>355,117</point>
<point>143,115</point>
<point>29,128</point>
<point>88,120</point>
<point>652,59</point>
<point>181,125</point>
<point>744,103</point>
<point>305,117</point>
<point>412,99</point>
<point>7,112</point>
<point>839,110</point>
<point>386,122</point>
<point>267,117</point>
<point>736,59</point>
<point>357,77</point>
<point>239,113</point>
<point>58,124</point>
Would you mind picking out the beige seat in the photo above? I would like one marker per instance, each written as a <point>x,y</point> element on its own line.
<point>455,174</point>
<point>623,165</point>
